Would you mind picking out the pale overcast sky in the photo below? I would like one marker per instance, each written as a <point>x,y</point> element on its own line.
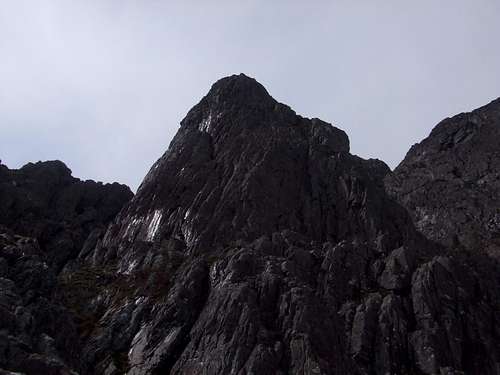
<point>103,85</point>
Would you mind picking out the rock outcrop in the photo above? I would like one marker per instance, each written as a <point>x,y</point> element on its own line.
<point>46,215</point>
<point>450,182</point>
<point>257,244</point>
<point>43,201</point>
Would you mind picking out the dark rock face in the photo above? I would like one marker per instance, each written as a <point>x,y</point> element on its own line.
<point>45,217</point>
<point>37,334</point>
<point>257,244</point>
<point>44,201</point>
<point>244,211</point>
<point>450,182</point>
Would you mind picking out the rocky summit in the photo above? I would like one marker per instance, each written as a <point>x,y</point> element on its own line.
<point>257,244</point>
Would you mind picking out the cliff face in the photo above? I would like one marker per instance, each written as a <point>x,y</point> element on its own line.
<point>257,244</point>
<point>232,246</point>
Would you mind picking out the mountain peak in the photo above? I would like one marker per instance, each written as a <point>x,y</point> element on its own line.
<point>239,138</point>
<point>258,244</point>
<point>236,102</point>
<point>239,88</point>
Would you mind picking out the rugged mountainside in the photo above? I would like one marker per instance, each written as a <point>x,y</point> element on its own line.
<point>450,182</point>
<point>232,246</point>
<point>257,244</point>
<point>43,201</point>
<point>45,217</point>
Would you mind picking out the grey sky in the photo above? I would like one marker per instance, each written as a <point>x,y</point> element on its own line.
<point>103,85</point>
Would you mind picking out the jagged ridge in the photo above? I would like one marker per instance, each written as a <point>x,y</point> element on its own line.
<point>450,182</point>
<point>258,245</point>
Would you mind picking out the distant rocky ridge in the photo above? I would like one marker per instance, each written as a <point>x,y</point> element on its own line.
<point>257,244</point>
<point>450,182</point>
<point>43,201</point>
<point>46,215</point>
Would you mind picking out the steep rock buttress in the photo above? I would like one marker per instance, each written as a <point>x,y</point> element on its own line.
<point>257,244</point>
